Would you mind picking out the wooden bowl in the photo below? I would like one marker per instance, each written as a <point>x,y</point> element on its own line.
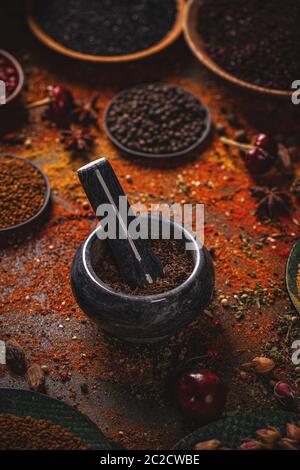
<point>197,46</point>
<point>56,46</point>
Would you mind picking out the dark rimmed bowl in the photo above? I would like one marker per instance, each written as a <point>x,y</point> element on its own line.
<point>19,69</point>
<point>40,406</point>
<point>233,430</point>
<point>181,153</point>
<point>292,270</point>
<point>15,230</point>
<point>141,319</point>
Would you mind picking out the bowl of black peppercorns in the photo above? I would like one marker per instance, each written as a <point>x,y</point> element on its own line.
<point>106,30</point>
<point>157,120</point>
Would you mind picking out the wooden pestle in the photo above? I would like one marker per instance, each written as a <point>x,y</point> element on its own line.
<point>137,263</point>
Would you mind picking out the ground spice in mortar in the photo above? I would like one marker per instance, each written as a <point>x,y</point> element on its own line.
<point>22,191</point>
<point>107,27</point>
<point>177,263</point>
<point>27,433</point>
<point>157,119</point>
<point>9,74</point>
<point>256,41</point>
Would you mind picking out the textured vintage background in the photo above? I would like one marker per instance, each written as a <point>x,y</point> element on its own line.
<point>127,389</point>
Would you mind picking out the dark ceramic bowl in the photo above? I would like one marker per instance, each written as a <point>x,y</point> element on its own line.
<point>40,406</point>
<point>143,319</point>
<point>135,153</point>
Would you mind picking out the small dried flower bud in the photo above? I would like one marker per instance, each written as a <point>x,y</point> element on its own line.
<point>293,431</point>
<point>283,393</point>
<point>268,436</point>
<point>15,357</point>
<point>287,444</point>
<point>260,365</point>
<point>36,378</point>
<point>212,444</point>
<point>252,444</point>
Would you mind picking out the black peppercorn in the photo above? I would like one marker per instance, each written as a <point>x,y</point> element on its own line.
<point>157,119</point>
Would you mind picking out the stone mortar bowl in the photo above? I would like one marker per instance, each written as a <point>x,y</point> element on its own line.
<point>139,318</point>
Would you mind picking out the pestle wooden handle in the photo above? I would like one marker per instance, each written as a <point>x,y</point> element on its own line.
<point>137,263</point>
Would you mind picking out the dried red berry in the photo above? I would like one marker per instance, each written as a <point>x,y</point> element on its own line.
<point>258,160</point>
<point>61,103</point>
<point>260,155</point>
<point>201,395</point>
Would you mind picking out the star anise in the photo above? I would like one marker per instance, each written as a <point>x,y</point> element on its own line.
<point>272,202</point>
<point>295,188</point>
<point>77,139</point>
<point>86,113</point>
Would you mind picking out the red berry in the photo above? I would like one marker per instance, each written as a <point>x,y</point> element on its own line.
<point>261,140</point>
<point>201,395</point>
<point>258,160</point>
<point>266,143</point>
<point>61,103</point>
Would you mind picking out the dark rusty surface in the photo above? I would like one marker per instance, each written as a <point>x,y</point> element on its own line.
<point>128,394</point>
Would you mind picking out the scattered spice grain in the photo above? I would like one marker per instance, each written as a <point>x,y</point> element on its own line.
<point>27,433</point>
<point>177,264</point>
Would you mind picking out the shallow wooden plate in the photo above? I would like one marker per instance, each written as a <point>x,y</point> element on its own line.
<point>56,46</point>
<point>197,46</point>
